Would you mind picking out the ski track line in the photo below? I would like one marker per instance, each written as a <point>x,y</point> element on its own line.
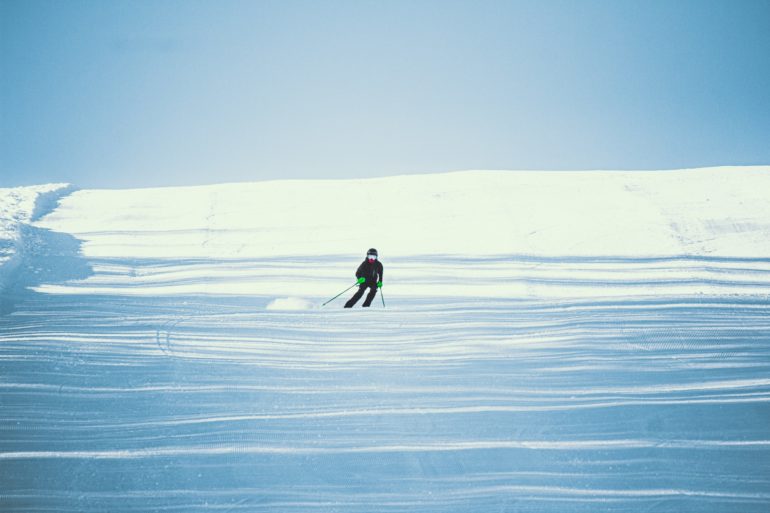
<point>422,448</point>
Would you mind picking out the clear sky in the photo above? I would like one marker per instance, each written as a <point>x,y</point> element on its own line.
<point>145,93</point>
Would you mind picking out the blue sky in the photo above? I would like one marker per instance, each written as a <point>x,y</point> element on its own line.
<point>146,93</point>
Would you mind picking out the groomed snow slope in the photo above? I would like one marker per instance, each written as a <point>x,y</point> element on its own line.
<point>566,342</point>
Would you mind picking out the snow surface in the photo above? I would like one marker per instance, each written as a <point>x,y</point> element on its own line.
<point>551,341</point>
<point>290,303</point>
<point>18,207</point>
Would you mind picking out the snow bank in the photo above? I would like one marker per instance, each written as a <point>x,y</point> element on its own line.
<point>290,303</point>
<point>18,206</point>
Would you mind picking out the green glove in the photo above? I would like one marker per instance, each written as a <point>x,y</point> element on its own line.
<point>361,280</point>
<point>379,284</point>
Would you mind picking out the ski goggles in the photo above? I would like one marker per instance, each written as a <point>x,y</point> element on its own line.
<point>371,257</point>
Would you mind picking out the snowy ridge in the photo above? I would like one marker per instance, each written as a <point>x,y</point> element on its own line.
<point>718,212</point>
<point>551,342</point>
<point>20,206</point>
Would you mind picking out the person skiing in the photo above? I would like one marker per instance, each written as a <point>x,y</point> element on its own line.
<point>369,275</point>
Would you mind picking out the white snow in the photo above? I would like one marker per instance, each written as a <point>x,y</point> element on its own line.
<point>18,207</point>
<point>550,341</point>
<point>290,303</point>
<point>717,212</point>
<point>532,234</point>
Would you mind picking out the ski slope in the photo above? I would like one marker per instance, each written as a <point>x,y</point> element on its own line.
<point>550,341</point>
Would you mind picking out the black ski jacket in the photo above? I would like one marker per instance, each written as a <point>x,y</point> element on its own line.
<point>370,272</point>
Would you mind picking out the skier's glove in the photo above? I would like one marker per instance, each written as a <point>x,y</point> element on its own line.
<point>379,284</point>
<point>361,280</point>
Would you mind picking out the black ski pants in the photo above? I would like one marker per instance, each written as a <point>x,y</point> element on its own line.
<point>360,292</point>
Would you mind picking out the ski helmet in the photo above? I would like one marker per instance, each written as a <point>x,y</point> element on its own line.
<point>372,251</point>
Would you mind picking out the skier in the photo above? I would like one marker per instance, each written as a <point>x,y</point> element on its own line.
<point>369,275</point>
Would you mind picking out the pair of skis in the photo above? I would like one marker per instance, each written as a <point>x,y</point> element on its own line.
<point>382,296</point>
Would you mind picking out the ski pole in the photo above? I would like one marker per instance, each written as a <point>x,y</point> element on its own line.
<point>338,295</point>
<point>382,296</point>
